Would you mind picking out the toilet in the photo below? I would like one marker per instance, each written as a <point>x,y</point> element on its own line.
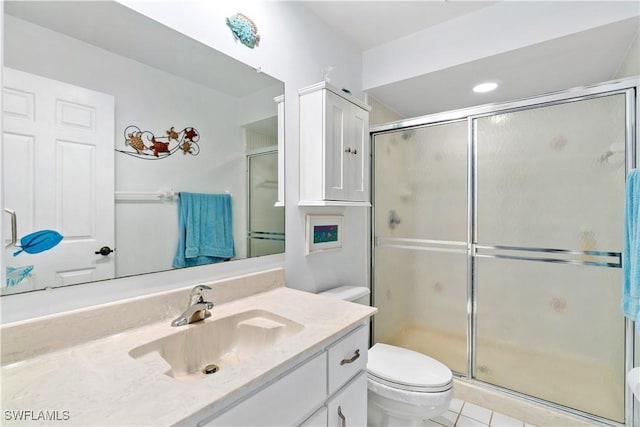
<point>404,387</point>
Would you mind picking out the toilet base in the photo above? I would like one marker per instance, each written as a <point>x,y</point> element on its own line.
<point>384,412</point>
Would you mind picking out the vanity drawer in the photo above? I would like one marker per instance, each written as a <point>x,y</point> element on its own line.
<point>349,406</point>
<point>347,357</point>
<point>284,402</point>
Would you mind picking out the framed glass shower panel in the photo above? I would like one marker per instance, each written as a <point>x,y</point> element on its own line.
<point>421,299</point>
<point>548,235</point>
<point>420,233</point>
<point>552,331</point>
<point>265,222</point>
<point>553,176</point>
<point>421,183</point>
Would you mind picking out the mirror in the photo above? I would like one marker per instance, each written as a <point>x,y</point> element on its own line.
<point>175,117</point>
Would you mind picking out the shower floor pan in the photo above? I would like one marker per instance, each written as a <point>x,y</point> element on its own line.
<point>575,382</point>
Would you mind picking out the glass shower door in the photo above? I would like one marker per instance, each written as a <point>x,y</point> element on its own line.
<point>265,222</point>
<point>420,254</point>
<point>548,236</point>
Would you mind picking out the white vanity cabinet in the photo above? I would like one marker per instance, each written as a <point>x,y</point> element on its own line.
<point>334,148</point>
<point>328,389</point>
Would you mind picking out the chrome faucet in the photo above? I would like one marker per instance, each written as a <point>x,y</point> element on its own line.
<point>198,308</point>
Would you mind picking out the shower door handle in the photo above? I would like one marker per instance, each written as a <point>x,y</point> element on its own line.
<point>14,228</point>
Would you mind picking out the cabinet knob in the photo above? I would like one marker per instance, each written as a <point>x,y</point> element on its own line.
<point>354,151</point>
<point>348,150</point>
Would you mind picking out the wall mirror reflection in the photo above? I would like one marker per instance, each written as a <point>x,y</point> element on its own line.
<point>78,77</point>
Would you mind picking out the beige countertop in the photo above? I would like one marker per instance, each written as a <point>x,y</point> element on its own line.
<point>98,383</point>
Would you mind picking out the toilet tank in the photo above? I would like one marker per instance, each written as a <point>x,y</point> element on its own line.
<point>357,294</point>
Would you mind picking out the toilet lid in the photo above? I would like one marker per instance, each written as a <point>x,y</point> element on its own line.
<point>407,369</point>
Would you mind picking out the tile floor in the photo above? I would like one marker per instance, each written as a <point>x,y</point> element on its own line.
<point>465,414</point>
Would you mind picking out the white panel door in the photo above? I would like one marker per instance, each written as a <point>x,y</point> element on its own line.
<point>58,174</point>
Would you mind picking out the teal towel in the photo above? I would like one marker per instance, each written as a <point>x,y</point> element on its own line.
<point>631,252</point>
<point>205,229</point>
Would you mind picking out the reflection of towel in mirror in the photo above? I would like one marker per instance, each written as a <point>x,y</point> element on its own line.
<point>631,252</point>
<point>205,229</point>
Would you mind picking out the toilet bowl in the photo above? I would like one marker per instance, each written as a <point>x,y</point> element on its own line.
<point>404,387</point>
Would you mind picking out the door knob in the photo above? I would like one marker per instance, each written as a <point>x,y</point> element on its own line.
<point>105,250</point>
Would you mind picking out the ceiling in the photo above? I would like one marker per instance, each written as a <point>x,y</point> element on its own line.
<point>361,21</point>
<point>113,27</point>
<point>576,60</point>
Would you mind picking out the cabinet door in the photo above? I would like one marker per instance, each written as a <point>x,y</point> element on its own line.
<point>348,408</point>
<point>357,164</point>
<point>337,112</point>
<point>318,419</point>
<point>283,403</point>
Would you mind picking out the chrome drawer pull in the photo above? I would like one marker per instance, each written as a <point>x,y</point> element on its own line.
<point>353,359</point>
<point>343,419</point>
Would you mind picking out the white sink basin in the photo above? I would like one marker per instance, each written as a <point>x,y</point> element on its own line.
<point>218,343</point>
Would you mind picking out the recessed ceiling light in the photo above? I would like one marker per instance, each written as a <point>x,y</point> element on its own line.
<point>485,87</point>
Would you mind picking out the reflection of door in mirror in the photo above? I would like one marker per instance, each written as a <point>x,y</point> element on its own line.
<point>265,222</point>
<point>58,175</point>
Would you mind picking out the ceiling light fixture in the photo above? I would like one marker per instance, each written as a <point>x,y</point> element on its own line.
<point>485,87</point>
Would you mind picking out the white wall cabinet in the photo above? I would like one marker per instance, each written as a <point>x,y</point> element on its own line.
<point>334,148</point>
<point>329,389</point>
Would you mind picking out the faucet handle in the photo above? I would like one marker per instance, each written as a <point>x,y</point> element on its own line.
<point>197,293</point>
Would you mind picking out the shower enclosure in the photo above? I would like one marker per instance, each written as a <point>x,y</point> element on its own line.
<point>498,233</point>
<point>265,222</point>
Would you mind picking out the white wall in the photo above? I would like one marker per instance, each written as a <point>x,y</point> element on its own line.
<point>631,65</point>
<point>482,34</point>
<point>380,113</point>
<point>295,46</point>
